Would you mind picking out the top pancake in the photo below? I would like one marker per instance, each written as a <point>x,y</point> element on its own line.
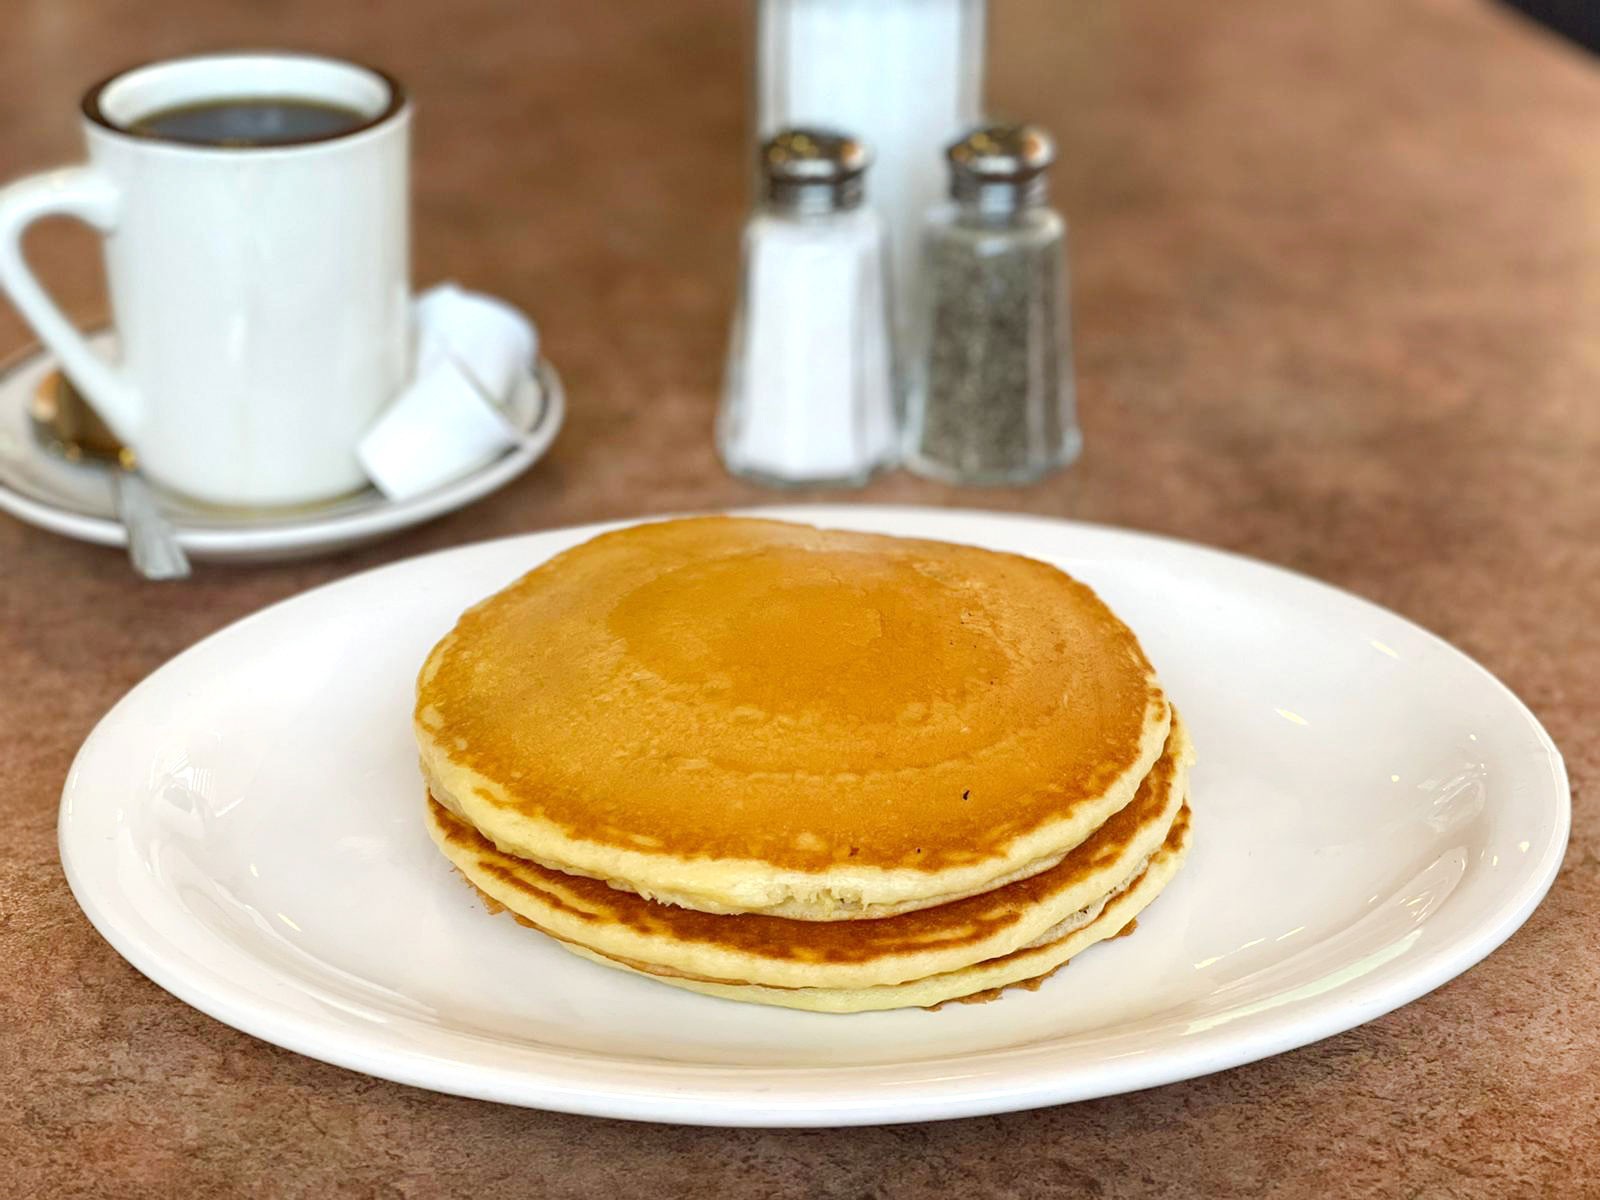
<point>753,716</point>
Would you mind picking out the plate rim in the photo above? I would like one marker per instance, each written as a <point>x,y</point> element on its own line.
<point>724,1094</point>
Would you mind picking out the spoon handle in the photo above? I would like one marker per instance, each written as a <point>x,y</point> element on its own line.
<point>152,543</point>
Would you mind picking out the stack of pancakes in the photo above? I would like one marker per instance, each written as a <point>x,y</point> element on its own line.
<point>826,770</point>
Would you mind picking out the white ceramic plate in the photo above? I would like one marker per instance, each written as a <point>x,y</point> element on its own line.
<point>43,489</point>
<point>1374,813</point>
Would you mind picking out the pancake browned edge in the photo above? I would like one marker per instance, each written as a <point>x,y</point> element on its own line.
<point>777,952</point>
<point>750,716</point>
<point>1021,968</point>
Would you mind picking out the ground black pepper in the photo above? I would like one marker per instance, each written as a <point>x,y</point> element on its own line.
<point>990,397</point>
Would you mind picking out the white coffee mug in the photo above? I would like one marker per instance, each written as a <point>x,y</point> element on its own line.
<point>260,292</point>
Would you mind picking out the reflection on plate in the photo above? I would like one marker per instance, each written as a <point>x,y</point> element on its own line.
<point>75,500</point>
<point>1376,813</point>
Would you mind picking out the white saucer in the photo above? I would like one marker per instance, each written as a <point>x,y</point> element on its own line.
<point>1373,813</point>
<point>42,489</point>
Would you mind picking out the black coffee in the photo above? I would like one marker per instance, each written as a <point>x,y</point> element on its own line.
<point>264,121</point>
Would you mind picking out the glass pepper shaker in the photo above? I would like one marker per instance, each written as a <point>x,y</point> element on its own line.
<point>808,396</point>
<point>990,396</point>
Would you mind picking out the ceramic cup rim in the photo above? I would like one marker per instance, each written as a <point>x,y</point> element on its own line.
<point>396,106</point>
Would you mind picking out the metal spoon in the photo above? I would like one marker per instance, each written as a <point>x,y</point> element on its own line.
<point>63,421</point>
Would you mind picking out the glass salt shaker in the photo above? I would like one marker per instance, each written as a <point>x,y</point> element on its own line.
<point>808,396</point>
<point>990,395</point>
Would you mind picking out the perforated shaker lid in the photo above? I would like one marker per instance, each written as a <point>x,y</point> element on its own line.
<point>1001,165</point>
<point>814,170</point>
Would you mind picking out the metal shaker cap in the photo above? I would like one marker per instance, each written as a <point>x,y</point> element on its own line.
<point>814,170</point>
<point>1001,167</point>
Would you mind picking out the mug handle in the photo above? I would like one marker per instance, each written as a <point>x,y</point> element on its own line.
<point>89,196</point>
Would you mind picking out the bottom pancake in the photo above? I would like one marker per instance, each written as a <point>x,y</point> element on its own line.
<point>1025,967</point>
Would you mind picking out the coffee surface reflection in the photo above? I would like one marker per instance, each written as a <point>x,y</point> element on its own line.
<point>261,121</point>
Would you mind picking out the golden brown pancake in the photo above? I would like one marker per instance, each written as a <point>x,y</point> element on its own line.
<point>779,952</point>
<point>1024,968</point>
<point>750,716</point>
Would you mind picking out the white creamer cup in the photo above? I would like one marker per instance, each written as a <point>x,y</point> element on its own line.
<point>472,352</point>
<point>439,428</point>
<point>493,342</point>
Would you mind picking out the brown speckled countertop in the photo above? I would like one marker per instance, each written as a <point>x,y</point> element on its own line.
<point>1338,307</point>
